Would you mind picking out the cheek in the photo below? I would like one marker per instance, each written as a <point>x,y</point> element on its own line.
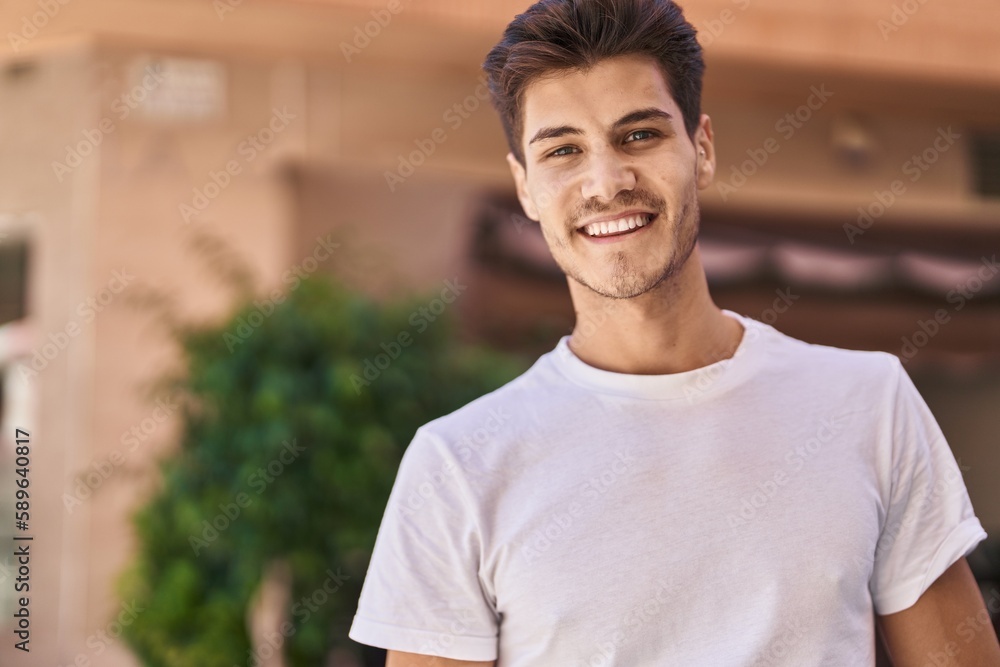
<point>675,186</point>
<point>555,187</point>
<point>546,196</point>
<point>672,176</point>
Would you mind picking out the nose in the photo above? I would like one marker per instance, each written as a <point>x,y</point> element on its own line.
<point>608,174</point>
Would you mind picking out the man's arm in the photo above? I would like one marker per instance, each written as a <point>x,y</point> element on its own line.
<point>947,627</point>
<point>400,659</point>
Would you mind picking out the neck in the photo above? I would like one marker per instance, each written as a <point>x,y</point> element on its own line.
<point>673,328</point>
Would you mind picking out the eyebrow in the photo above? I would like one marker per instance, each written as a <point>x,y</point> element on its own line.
<point>649,113</point>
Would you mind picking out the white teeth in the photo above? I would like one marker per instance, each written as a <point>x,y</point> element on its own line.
<point>617,226</point>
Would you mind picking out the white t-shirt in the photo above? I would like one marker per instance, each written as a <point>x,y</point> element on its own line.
<point>753,512</point>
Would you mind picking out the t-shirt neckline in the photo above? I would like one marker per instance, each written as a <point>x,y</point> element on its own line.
<point>694,385</point>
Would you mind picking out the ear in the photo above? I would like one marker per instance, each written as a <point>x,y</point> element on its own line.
<point>520,181</point>
<point>704,142</point>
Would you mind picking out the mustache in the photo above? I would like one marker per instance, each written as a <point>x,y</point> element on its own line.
<point>625,199</point>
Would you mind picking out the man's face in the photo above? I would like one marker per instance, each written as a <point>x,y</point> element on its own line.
<point>607,144</point>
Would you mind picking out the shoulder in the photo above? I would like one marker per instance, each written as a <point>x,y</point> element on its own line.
<point>493,418</point>
<point>787,352</point>
<point>851,377</point>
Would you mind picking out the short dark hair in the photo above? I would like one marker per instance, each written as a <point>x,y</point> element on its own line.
<point>570,34</point>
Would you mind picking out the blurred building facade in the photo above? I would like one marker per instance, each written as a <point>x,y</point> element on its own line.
<point>857,204</point>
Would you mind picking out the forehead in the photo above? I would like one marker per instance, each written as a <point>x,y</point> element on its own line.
<point>597,96</point>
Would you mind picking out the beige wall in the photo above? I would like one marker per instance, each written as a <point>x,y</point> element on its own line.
<point>117,213</point>
<point>935,41</point>
<point>119,209</point>
<point>44,109</point>
<point>148,169</point>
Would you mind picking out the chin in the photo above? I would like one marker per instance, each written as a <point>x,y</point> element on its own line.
<point>626,285</point>
<point>626,281</point>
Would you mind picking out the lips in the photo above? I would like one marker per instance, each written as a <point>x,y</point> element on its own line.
<point>620,226</point>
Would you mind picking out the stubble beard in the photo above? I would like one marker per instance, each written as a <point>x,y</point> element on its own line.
<point>626,282</point>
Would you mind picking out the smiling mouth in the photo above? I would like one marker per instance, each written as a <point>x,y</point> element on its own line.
<point>620,227</point>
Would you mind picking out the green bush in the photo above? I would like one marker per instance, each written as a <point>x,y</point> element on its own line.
<point>249,394</point>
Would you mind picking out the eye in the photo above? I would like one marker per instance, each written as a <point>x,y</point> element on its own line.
<point>639,132</point>
<point>557,153</point>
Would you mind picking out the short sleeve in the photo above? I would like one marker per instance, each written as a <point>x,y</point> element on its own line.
<point>929,522</point>
<point>422,592</point>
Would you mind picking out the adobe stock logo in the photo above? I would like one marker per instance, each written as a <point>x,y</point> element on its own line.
<point>796,458</point>
<point>86,312</point>
<point>31,26</point>
<point>248,149</point>
<point>786,126</point>
<point>714,27</point>
<point>454,116</point>
<point>259,481</point>
<point>420,319</point>
<point>557,525</point>
<point>959,296</point>
<point>91,138</point>
<point>914,168</point>
<point>363,35</point>
<point>900,16</point>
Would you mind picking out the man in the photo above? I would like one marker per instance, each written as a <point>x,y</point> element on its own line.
<point>673,484</point>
